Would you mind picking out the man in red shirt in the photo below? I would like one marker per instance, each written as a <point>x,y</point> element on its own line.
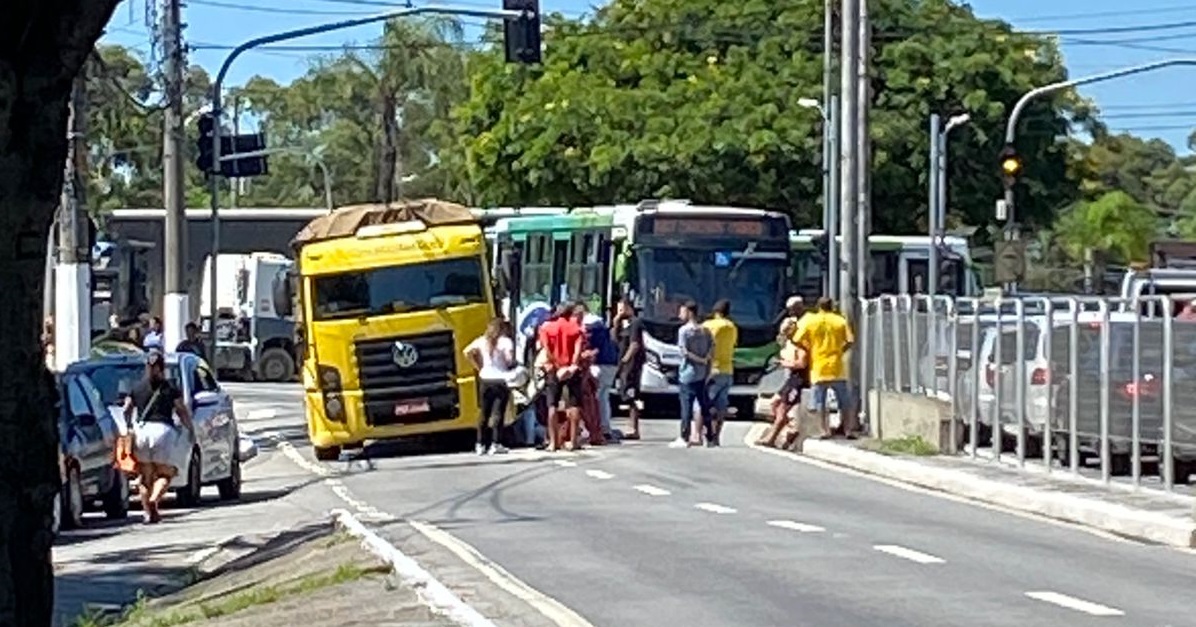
<point>561,337</point>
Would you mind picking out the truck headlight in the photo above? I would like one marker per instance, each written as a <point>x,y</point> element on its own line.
<point>334,407</point>
<point>329,378</point>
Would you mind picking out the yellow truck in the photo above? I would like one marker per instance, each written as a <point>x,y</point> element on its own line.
<point>388,297</point>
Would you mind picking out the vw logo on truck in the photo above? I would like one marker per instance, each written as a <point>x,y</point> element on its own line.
<point>404,355</point>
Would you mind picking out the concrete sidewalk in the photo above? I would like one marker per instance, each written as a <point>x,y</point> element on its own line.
<point>1142,514</point>
<point>106,566</point>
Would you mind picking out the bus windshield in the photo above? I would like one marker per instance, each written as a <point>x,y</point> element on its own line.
<point>755,284</point>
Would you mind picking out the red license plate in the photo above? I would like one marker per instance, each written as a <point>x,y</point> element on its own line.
<point>408,408</point>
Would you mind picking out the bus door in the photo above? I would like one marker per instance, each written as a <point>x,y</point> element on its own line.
<point>913,272</point>
<point>586,272</point>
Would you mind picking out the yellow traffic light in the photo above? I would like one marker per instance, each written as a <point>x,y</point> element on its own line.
<point>1011,166</point>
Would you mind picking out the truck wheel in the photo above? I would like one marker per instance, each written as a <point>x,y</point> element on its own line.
<point>327,453</point>
<point>276,365</point>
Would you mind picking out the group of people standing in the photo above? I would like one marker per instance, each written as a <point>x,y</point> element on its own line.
<point>581,359</point>
<point>814,348</point>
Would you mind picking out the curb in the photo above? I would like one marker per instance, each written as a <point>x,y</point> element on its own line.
<point>430,591</point>
<point>1108,517</point>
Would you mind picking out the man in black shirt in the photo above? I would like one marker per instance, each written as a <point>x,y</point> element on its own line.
<point>156,436</point>
<point>629,332</point>
<point>191,344</point>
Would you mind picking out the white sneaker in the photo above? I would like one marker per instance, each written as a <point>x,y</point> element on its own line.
<point>679,443</point>
<point>479,449</point>
<point>496,449</point>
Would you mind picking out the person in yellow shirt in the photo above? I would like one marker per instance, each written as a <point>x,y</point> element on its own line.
<point>826,337</point>
<point>722,362</point>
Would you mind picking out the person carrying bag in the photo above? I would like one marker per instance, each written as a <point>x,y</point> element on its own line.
<point>157,443</point>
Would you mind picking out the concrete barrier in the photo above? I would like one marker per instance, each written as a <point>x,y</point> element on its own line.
<point>899,415</point>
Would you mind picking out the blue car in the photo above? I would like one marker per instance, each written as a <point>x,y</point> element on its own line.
<point>87,432</point>
<point>215,458</point>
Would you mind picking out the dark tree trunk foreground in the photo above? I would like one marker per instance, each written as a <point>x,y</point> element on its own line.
<point>43,44</point>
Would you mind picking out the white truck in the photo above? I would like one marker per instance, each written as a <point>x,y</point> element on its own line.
<point>252,340</point>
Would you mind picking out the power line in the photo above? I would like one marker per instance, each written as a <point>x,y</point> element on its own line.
<point>268,9</point>
<point>1106,14</point>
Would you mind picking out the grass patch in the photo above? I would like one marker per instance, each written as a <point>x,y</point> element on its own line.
<point>909,445</point>
<point>140,615</point>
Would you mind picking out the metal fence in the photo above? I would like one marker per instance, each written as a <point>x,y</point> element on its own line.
<point>1077,384</point>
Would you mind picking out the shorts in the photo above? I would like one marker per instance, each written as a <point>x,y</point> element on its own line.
<point>565,394</point>
<point>160,443</point>
<point>790,392</point>
<point>629,381</point>
<point>839,387</point>
<point>719,390</point>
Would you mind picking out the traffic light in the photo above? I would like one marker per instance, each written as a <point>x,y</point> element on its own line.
<point>207,128</point>
<point>521,35</point>
<point>1011,165</point>
<point>242,167</point>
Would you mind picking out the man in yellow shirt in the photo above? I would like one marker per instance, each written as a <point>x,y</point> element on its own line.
<point>722,362</point>
<point>826,337</point>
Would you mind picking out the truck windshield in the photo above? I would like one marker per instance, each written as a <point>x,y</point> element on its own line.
<point>398,289</point>
<point>754,284</point>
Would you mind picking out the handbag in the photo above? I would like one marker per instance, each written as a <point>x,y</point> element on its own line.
<point>125,461</point>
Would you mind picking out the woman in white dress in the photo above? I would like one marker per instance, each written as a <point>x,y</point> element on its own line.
<point>157,437</point>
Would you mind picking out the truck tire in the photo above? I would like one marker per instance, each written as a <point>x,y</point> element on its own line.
<point>276,365</point>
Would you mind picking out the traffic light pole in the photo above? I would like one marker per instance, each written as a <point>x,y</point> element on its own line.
<point>1012,231</point>
<point>217,86</point>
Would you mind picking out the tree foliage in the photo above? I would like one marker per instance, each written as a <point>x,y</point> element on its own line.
<point>1115,224</point>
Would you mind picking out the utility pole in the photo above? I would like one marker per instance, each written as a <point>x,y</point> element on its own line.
<point>862,261</point>
<point>828,92</point>
<point>234,184</point>
<point>932,205</point>
<point>849,143</point>
<point>176,307</point>
<point>72,273</point>
<point>832,224</point>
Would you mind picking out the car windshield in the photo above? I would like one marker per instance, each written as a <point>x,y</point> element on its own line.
<point>115,380</point>
<point>754,284</point>
<point>399,289</point>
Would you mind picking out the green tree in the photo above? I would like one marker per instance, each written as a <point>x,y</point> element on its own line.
<point>1115,225</point>
<point>697,99</point>
<point>369,113</point>
<point>46,44</point>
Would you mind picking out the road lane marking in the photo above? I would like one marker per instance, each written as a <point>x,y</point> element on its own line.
<point>549,607</point>
<point>564,463</point>
<point>433,593</point>
<point>796,526</point>
<point>715,508</point>
<point>909,554</point>
<point>293,454</point>
<point>1072,603</point>
<point>261,414</point>
<point>652,490</point>
<point>600,474</point>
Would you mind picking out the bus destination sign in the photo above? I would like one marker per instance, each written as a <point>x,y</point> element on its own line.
<point>707,227</point>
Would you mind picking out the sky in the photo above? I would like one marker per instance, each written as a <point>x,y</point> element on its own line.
<point>1149,105</point>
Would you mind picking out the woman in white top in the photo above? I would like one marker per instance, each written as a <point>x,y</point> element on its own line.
<point>493,355</point>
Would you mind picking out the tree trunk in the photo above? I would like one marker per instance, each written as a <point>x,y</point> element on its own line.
<point>44,44</point>
<point>388,149</point>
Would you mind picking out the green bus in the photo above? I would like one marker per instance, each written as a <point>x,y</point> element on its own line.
<point>660,254</point>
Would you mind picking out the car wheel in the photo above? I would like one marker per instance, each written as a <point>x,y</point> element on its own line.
<point>71,506</point>
<point>190,495</point>
<point>276,365</point>
<point>230,488</point>
<point>116,500</point>
<point>327,453</point>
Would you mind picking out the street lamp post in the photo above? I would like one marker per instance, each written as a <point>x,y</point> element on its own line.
<point>1011,231</point>
<point>214,183</point>
<point>830,188</point>
<point>936,214</point>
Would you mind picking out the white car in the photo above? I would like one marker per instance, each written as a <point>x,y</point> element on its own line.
<point>217,454</point>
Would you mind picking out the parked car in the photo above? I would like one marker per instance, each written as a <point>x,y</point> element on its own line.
<point>87,433</point>
<point>215,457</point>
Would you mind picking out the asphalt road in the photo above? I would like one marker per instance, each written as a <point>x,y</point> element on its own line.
<point>640,534</point>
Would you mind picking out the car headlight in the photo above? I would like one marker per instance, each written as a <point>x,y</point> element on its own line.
<point>653,359</point>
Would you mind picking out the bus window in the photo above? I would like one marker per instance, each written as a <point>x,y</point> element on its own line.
<point>536,283</point>
<point>884,272</point>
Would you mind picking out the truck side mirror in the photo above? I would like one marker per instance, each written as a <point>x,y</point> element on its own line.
<point>283,295</point>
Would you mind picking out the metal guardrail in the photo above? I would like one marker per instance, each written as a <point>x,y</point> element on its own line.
<point>1080,383</point>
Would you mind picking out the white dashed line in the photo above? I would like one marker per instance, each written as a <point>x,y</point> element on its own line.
<point>715,508</point>
<point>261,414</point>
<point>796,526</point>
<point>652,490</point>
<point>1072,603</point>
<point>909,554</point>
<point>600,474</point>
<point>564,463</point>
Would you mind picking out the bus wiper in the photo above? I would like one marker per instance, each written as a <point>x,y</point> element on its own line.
<point>747,253</point>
